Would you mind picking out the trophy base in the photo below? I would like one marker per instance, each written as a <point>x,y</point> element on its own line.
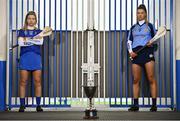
<point>90,114</point>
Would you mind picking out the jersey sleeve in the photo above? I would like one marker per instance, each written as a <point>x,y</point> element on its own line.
<point>152,29</point>
<point>130,36</point>
<point>130,40</point>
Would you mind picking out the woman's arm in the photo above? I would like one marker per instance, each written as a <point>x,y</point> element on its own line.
<point>23,41</point>
<point>129,43</point>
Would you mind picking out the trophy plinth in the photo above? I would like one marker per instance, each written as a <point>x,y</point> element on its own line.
<point>90,112</point>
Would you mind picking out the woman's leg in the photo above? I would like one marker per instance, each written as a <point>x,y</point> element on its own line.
<point>23,82</point>
<point>136,70</point>
<point>153,83</point>
<point>38,88</point>
<point>37,79</point>
<point>22,88</point>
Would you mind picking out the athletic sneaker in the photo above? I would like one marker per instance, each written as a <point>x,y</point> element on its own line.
<point>39,109</point>
<point>134,108</point>
<point>153,108</point>
<point>21,109</point>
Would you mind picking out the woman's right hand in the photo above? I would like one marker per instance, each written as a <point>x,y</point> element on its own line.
<point>132,54</point>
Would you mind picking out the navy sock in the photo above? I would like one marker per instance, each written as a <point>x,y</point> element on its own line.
<point>136,102</point>
<point>38,100</point>
<point>22,101</point>
<point>153,101</point>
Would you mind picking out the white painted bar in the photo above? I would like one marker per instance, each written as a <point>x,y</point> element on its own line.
<point>7,50</point>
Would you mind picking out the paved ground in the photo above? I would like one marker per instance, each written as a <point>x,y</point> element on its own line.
<point>78,115</point>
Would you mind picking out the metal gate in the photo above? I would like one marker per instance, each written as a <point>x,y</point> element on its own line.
<point>65,52</point>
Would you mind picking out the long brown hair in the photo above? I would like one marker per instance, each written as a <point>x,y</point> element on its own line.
<point>143,7</point>
<point>25,22</point>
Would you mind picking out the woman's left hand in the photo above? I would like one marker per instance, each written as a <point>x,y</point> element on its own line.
<point>149,44</point>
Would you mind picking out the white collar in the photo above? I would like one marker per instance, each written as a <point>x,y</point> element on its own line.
<point>141,22</point>
<point>30,27</point>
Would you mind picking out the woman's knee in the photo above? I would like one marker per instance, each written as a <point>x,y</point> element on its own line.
<point>136,81</point>
<point>37,82</point>
<point>23,82</point>
<point>151,79</point>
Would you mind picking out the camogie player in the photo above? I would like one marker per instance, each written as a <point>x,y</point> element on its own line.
<point>140,34</point>
<point>30,59</point>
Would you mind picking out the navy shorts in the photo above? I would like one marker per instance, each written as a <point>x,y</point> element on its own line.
<point>30,61</point>
<point>143,56</point>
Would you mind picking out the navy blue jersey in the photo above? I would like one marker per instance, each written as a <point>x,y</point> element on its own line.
<point>31,47</point>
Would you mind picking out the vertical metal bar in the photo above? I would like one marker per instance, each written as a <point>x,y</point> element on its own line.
<point>27,5</point>
<point>44,55</point>
<point>99,49</point>
<point>38,14</point>
<point>22,6</point>
<point>171,52</point>
<point>109,55</point>
<point>131,81</point>
<point>154,12</point>
<point>148,20</point>
<point>60,52</point>
<point>22,15</point>
<point>127,59</point>
<point>49,58</point>
<point>66,57</point>
<point>115,52</point>
<point>32,80</point>
<point>32,89</point>
<point>121,55</point>
<point>142,85</point>
<point>71,49</point>
<point>104,45</point>
<point>17,76</point>
<point>148,10</point>
<point>9,66</point>
<point>33,4</point>
<point>82,76</point>
<point>55,55</point>
<point>143,78</point>
<point>165,80</point>
<point>160,74</point>
<point>77,48</point>
<point>137,3</point>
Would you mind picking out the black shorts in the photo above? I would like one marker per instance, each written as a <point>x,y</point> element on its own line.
<point>143,56</point>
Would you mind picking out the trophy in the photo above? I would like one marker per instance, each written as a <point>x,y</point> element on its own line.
<point>90,112</point>
<point>90,67</point>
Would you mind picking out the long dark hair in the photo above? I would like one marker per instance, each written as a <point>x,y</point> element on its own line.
<point>25,22</point>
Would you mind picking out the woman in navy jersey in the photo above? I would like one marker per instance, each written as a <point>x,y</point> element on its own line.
<point>140,34</point>
<point>30,59</point>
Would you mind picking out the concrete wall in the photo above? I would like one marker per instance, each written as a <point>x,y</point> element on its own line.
<point>177,27</point>
<point>3,29</point>
<point>177,38</point>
